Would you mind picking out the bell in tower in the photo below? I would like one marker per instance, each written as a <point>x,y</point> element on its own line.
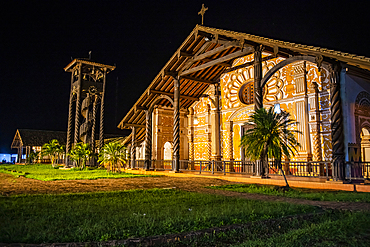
<point>86,104</point>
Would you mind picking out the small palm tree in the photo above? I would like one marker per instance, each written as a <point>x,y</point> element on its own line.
<point>113,155</point>
<point>270,135</point>
<point>33,156</point>
<point>51,148</point>
<point>80,153</point>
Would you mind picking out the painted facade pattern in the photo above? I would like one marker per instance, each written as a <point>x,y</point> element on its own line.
<point>280,89</point>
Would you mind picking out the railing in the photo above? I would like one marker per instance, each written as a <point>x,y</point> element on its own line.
<point>303,169</point>
<point>292,168</point>
<point>357,170</point>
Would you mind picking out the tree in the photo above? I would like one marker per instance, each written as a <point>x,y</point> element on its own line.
<point>51,149</point>
<point>60,151</point>
<point>32,157</point>
<point>80,153</point>
<point>270,135</point>
<point>113,155</point>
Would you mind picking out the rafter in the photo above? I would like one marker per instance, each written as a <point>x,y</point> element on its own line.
<point>197,79</point>
<point>234,55</point>
<point>171,94</point>
<point>132,125</point>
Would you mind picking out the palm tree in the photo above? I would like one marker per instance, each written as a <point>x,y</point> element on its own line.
<point>51,149</point>
<point>270,135</point>
<point>80,153</point>
<point>113,154</point>
<point>33,156</point>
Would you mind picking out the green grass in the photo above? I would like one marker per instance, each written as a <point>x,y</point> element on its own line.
<point>48,173</point>
<point>120,215</point>
<point>309,194</point>
<point>331,228</point>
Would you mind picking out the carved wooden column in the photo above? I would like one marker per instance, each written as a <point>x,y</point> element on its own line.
<point>133,147</point>
<point>336,123</point>
<point>315,122</point>
<point>191,136</point>
<point>230,145</point>
<point>78,104</point>
<point>70,122</point>
<point>215,124</point>
<point>258,97</point>
<point>176,125</point>
<point>148,139</point>
<point>101,132</point>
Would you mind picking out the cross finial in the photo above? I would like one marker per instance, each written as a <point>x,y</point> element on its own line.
<point>202,11</point>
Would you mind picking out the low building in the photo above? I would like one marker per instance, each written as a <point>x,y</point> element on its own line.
<point>26,140</point>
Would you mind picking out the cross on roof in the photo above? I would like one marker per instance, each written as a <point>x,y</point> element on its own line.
<point>202,11</point>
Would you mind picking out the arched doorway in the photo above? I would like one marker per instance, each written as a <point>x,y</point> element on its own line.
<point>167,151</point>
<point>365,144</point>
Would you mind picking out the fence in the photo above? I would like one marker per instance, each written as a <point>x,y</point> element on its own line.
<point>357,170</point>
<point>303,169</point>
<point>318,169</point>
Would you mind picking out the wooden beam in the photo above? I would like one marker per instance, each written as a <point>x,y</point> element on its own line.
<point>247,64</point>
<point>171,94</point>
<point>214,51</point>
<point>185,54</point>
<point>234,55</point>
<point>140,108</point>
<point>221,64</point>
<point>197,79</point>
<point>170,73</point>
<point>133,125</point>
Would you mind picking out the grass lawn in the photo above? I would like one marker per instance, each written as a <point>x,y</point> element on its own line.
<point>48,173</point>
<point>120,215</point>
<point>310,194</point>
<point>331,228</point>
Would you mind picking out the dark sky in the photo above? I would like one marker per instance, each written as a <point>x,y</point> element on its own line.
<point>38,39</point>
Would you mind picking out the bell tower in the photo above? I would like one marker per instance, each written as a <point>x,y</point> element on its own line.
<point>86,100</point>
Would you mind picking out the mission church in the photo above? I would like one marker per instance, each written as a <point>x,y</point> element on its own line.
<point>196,107</point>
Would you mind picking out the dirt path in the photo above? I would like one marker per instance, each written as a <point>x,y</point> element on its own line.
<point>10,185</point>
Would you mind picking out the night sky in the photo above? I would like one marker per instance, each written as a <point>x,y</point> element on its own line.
<point>39,38</point>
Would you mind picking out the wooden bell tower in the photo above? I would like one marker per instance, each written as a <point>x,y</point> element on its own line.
<point>86,100</point>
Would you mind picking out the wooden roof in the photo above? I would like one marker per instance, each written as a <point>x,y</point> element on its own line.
<point>75,61</point>
<point>27,137</point>
<point>205,55</point>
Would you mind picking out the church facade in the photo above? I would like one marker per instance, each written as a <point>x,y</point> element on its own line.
<point>197,106</point>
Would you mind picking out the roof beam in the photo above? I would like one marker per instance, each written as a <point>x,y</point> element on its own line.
<point>171,95</point>
<point>234,55</point>
<point>140,108</point>
<point>132,125</point>
<point>244,65</point>
<point>197,79</point>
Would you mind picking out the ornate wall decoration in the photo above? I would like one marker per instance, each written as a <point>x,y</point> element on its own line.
<point>166,121</point>
<point>362,113</point>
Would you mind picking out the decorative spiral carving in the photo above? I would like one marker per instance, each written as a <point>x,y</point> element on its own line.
<point>231,145</point>
<point>77,118</point>
<point>176,133</point>
<point>93,124</point>
<point>191,151</point>
<point>317,146</point>
<point>336,122</point>
<point>69,129</point>
<point>258,102</point>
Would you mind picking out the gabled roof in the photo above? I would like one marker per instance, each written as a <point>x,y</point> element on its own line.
<point>205,55</point>
<point>27,137</point>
